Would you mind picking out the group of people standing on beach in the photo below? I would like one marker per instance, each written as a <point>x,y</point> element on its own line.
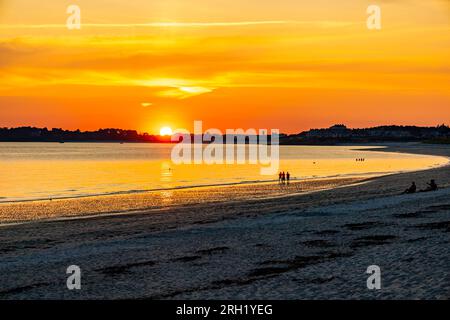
<point>284,177</point>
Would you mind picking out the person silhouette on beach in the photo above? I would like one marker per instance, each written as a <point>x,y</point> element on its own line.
<point>288,177</point>
<point>280,177</point>
<point>283,178</point>
<point>411,189</point>
<point>432,186</point>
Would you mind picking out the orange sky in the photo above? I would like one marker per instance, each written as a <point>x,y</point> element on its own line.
<point>286,64</point>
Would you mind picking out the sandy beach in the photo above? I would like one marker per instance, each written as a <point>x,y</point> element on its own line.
<point>291,245</point>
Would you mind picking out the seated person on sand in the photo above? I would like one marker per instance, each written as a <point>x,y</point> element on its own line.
<point>411,189</point>
<point>432,186</point>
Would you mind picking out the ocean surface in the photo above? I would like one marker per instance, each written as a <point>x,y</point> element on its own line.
<point>30,171</point>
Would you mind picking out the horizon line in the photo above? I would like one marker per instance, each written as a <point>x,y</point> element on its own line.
<point>281,133</point>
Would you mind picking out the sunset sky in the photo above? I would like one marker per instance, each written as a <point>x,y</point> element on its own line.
<point>287,64</point>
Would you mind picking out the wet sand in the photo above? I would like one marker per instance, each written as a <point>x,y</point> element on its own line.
<point>314,245</point>
<point>158,201</point>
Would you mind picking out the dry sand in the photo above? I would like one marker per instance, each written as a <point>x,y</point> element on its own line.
<point>306,246</point>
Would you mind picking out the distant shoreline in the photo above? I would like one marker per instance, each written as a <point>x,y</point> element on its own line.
<point>336,134</point>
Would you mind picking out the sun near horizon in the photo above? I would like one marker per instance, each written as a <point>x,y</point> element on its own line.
<point>165,131</point>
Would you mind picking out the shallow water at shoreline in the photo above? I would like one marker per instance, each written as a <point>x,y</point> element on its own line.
<point>160,200</point>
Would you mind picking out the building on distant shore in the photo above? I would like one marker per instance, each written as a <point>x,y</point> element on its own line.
<point>341,133</point>
<point>336,131</point>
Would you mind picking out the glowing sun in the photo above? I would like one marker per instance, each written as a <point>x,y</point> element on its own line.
<point>165,131</point>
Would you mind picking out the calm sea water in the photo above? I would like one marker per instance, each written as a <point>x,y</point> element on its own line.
<point>53,170</point>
